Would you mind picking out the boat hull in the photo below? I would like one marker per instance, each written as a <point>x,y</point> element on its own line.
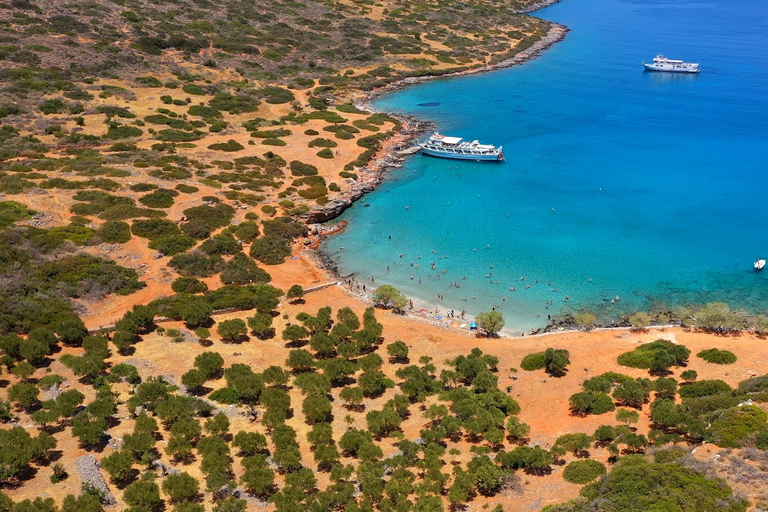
<point>651,67</point>
<point>462,156</point>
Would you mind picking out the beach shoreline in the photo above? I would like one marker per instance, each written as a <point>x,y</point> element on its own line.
<point>390,156</point>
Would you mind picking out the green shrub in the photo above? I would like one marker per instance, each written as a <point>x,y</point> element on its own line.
<point>194,89</point>
<point>116,132</point>
<point>114,232</point>
<point>149,81</point>
<point>176,136</point>
<point>588,402</point>
<point>583,471</point>
<point>636,485</point>
<point>196,229</point>
<point>189,285</point>
<point>325,153</point>
<point>234,104</point>
<point>186,189</point>
<point>270,250</point>
<point>172,244</point>
<point>243,270</point>
<point>225,395</point>
<point>668,455</point>
<point>143,187</point>
<point>160,198</point>
<point>112,111</point>
<point>202,111</point>
<point>704,388</point>
<point>322,143</point>
<point>12,211</point>
<point>230,146</point>
<point>214,217</point>
<point>154,228</point>
<point>533,362</point>
<point>274,142</point>
<point>716,356</point>
<point>753,385</point>
<point>349,108</point>
<point>223,244</point>
<point>301,169</point>
<point>733,427</point>
<point>54,106</point>
<point>196,264</point>
<point>276,95</point>
<point>311,132</point>
<point>644,355</point>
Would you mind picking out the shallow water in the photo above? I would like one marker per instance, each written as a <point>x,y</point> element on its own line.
<point>618,182</point>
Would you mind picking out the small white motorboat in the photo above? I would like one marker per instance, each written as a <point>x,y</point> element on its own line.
<point>759,264</point>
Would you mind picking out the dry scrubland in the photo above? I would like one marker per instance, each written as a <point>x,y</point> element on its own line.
<point>159,162</point>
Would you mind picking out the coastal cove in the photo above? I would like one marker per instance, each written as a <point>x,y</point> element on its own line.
<point>618,182</point>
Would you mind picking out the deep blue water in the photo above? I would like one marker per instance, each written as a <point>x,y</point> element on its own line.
<point>651,185</point>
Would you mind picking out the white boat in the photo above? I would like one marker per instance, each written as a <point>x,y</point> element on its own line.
<point>459,149</point>
<point>661,63</point>
<point>759,264</point>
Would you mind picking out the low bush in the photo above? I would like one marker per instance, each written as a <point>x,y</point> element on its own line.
<point>230,146</point>
<point>668,455</point>
<point>270,250</point>
<point>117,132</point>
<point>154,228</point>
<point>196,264</point>
<point>189,285</point>
<point>588,402</point>
<point>533,362</point>
<point>114,232</point>
<point>716,356</point>
<point>301,169</point>
<point>322,143</point>
<point>171,245</point>
<point>583,471</point>
<point>186,189</point>
<point>160,198</point>
<point>704,388</point>
<point>647,356</point>
<point>325,153</point>
<point>733,428</point>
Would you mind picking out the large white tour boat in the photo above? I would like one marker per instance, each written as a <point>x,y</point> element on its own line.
<point>459,149</point>
<point>661,63</point>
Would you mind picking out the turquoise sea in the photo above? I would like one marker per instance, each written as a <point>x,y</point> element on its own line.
<point>618,182</point>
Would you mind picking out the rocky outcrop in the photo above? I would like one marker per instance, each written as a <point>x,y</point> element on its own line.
<point>336,207</point>
<point>88,469</point>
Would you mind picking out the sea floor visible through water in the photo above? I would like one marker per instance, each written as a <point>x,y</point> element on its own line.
<point>620,184</point>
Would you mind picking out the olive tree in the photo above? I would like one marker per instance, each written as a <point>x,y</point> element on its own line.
<point>491,322</point>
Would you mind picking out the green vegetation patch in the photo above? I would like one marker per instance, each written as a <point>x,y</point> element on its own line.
<point>583,471</point>
<point>177,136</point>
<point>78,273</point>
<point>533,362</point>
<point>276,95</point>
<point>229,146</point>
<point>704,388</point>
<point>11,211</point>
<point>716,356</point>
<point>733,427</point>
<point>116,132</point>
<point>154,228</point>
<point>636,485</point>
<point>160,198</point>
<point>650,354</point>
